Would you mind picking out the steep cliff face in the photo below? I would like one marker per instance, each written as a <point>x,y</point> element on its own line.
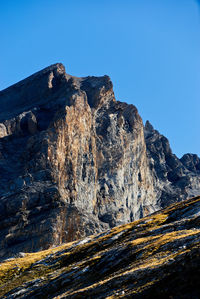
<point>174,179</point>
<point>74,161</point>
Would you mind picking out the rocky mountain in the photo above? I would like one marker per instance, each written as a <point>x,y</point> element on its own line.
<point>154,257</point>
<point>75,162</point>
<point>174,179</point>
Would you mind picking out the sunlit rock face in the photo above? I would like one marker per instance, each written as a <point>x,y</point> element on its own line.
<point>74,162</point>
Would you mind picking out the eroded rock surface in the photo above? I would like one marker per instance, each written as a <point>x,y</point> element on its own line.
<point>155,257</point>
<point>174,179</point>
<point>74,162</point>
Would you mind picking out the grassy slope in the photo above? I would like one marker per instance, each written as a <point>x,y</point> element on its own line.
<point>155,257</point>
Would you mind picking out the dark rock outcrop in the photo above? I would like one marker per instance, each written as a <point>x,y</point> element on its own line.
<point>74,162</point>
<point>191,162</point>
<point>154,257</point>
<point>174,179</point>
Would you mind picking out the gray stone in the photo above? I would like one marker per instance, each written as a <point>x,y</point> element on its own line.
<point>174,179</point>
<point>74,162</point>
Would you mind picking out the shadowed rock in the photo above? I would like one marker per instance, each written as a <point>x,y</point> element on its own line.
<point>155,257</point>
<point>74,161</point>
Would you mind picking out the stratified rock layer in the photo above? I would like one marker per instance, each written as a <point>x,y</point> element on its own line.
<point>155,257</point>
<point>74,162</point>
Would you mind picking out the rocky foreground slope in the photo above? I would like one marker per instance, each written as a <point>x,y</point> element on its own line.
<point>74,161</point>
<point>155,257</point>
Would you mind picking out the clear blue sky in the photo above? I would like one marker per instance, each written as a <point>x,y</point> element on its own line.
<point>149,48</point>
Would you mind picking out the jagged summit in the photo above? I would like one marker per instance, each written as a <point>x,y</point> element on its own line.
<point>57,67</point>
<point>30,92</point>
<point>149,126</point>
<point>74,162</point>
<point>50,84</point>
<point>191,162</point>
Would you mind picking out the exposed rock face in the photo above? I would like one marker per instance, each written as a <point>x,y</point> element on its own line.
<point>74,161</point>
<point>154,257</point>
<point>174,179</point>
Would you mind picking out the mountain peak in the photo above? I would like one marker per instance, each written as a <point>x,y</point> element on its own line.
<point>50,84</point>
<point>30,92</point>
<point>75,162</point>
<point>149,126</point>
